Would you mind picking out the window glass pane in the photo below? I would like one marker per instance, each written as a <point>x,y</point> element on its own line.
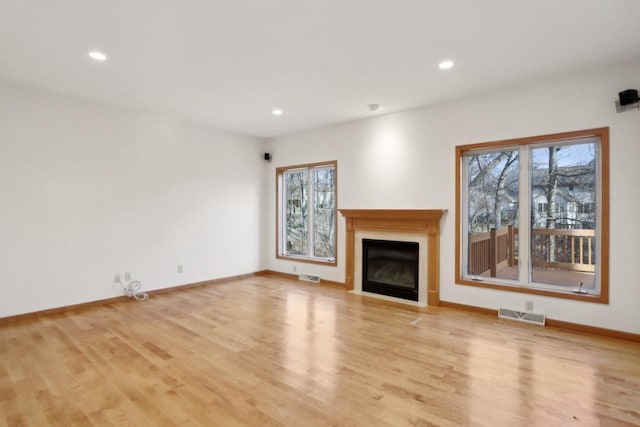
<point>324,212</point>
<point>492,214</point>
<point>296,232</point>
<point>563,235</point>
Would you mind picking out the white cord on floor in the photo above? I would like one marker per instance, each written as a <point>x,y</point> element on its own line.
<point>131,290</point>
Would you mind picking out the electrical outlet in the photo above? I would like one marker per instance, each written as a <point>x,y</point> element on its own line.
<point>528,305</point>
<point>116,277</point>
<point>179,268</point>
<point>127,276</point>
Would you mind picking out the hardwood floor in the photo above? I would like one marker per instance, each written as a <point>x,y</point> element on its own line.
<point>268,351</point>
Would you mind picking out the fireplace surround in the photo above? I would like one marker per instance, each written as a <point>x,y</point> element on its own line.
<point>411,225</point>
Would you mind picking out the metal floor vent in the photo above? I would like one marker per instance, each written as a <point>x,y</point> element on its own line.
<point>521,316</point>
<point>309,278</point>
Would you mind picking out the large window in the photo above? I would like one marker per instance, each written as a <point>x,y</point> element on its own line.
<point>532,215</point>
<point>306,212</point>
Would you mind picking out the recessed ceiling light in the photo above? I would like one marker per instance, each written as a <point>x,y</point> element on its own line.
<point>98,56</point>
<point>373,107</point>
<point>277,112</point>
<point>445,65</point>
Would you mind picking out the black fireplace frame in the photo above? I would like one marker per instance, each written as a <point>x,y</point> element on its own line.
<point>390,289</point>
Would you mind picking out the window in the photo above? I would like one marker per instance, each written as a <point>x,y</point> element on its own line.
<point>306,212</point>
<point>532,215</point>
<point>586,208</point>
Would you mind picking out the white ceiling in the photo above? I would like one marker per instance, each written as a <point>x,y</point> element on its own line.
<point>228,63</point>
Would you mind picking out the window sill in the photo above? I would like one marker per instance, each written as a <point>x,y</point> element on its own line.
<point>600,299</point>
<point>317,261</point>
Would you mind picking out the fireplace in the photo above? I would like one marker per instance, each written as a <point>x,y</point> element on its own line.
<point>390,268</point>
<point>420,225</point>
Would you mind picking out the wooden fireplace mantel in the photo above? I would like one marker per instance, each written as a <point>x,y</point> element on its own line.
<point>420,221</point>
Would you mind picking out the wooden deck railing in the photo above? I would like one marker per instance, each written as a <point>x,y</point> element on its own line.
<point>564,249</point>
<point>494,250</point>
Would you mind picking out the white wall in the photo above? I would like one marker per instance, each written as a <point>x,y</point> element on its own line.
<point>406,161</point>
<point>88,191</point>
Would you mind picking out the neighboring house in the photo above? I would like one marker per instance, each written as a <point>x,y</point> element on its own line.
<point>575,202</point>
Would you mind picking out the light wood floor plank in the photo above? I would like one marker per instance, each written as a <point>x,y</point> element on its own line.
<point>267,351</point>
